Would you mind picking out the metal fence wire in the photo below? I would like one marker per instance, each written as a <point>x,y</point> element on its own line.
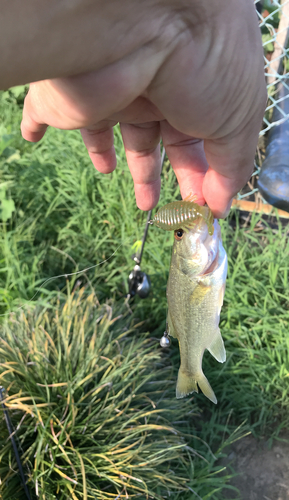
<point>274,23</point>
<point>273,18</point>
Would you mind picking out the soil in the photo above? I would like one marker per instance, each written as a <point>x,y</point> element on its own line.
<point>263,471</point>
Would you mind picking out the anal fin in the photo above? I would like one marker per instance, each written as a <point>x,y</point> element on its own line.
<point>217,348</point>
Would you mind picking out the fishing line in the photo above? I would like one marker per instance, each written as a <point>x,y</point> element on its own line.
<point>66,275</point>
<point>137,257</point>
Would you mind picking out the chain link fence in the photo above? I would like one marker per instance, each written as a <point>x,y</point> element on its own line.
<point>274,23</point>
<point>273,18</point>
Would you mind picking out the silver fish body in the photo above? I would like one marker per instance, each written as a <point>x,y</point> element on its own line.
<point>195,293</point>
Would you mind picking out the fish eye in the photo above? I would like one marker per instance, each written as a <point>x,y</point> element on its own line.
<point>179,234</point>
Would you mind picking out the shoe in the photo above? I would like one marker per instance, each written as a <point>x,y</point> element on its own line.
<point>273,182</point>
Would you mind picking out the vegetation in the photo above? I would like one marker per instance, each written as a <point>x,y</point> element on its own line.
<point>95,408</point>
<point>89,392</point>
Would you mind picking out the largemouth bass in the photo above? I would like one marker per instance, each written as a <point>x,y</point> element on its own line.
<point>195,293</point>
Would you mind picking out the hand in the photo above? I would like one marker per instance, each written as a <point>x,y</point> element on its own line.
<point>199,84</point>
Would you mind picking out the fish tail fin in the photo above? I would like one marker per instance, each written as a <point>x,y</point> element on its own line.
<point>187,384</point>
<point>206,389</point>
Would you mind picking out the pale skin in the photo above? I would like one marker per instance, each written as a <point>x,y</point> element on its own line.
<point>187,71</point>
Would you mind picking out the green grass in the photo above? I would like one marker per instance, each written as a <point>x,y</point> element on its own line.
<point>94,404</point>
<point>255,324</point>
<point>68,217</point>
<point>73,219</point>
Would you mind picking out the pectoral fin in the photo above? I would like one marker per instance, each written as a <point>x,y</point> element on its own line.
<point>217,348</point>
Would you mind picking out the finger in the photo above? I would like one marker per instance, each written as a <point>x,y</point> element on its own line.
<point>219,192</point>
<point>32,130</point>
<point>231,163</point>
<point>210,103</point>
<point>142,147</point>
<point>187,157</point>
<point>99,144</point>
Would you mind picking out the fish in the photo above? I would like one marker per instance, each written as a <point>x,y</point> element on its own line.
<point>195,293</point>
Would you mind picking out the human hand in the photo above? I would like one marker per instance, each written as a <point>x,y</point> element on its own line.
<point>198,84</point>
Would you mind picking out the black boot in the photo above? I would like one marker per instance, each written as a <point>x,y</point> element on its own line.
<point>273,180</point>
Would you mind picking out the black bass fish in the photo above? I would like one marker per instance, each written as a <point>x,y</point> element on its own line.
<point>195,293</point>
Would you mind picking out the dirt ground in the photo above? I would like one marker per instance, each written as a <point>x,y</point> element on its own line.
<point>263,472</point>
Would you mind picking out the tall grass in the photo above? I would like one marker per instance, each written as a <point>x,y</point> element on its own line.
<point>73,220</point>
<point>94,406</point>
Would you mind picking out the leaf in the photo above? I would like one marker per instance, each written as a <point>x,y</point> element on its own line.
<point>7,208</point>
<point>18,90</point>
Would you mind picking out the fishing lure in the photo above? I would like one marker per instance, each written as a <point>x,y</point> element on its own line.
<point>185,214</point>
